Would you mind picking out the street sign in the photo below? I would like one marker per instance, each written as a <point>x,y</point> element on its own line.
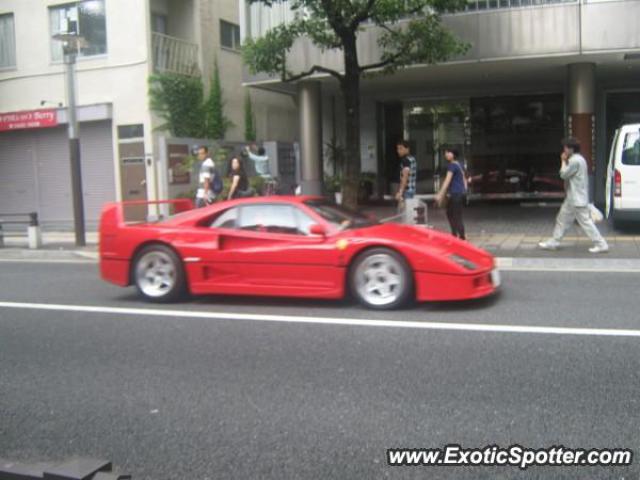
<point>28,119</point>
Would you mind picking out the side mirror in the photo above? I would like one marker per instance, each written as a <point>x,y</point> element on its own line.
<point>317,229</point>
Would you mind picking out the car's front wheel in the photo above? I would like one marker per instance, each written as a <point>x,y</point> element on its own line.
<point>158,274</point>
<point>381,279</point>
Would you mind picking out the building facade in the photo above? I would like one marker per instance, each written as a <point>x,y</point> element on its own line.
<point>124,43</point>
<point>536,70</point>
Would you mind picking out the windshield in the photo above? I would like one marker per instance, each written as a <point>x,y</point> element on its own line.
<point>339,216</point>
<point>631,149</point>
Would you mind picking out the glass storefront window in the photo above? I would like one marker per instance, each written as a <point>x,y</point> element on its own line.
<point>509,145</point>
<point>431,128</point>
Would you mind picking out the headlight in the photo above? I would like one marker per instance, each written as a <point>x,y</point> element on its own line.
<point>468,264</point>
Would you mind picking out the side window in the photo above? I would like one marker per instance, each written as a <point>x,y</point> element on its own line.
<point>226,219</point>
<point>631,149</point>
<point>304,222</point>
<point>270,219</point>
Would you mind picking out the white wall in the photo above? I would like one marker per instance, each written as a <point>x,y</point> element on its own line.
<point>119,77</point>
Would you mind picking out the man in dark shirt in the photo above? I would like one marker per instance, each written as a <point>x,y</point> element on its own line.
<point>408,172</point>
<point>455,186</point>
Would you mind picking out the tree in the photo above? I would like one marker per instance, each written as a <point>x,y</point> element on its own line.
<point>249,120</point>
<point>216,122</point>
<point>179,101</point>
<point>411,32</point>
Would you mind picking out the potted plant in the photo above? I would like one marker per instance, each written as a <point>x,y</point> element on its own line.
<point>365,190</point>
<point>333,186</point>
<point>335,155</point>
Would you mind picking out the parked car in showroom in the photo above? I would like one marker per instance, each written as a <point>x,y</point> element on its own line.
<point>297,246</point>
<point>623,176</point>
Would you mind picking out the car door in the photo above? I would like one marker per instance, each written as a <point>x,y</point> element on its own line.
<point>273,253</point>
<point>209,268</point>
<point>610,169</point>
<point>629,167</point>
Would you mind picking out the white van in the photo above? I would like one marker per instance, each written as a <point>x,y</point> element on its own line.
<point>623,176</point>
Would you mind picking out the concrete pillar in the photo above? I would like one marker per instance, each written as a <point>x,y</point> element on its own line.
<point>310,111</point>
<point>582,99</point>
<point>34,236</point>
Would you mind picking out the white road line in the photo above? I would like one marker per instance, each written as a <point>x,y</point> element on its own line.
<point>466,327</point>
<point>51,260</point>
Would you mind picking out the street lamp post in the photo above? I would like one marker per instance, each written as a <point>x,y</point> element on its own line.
<point>70,48</point>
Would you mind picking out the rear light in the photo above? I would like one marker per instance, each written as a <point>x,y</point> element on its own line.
<point>617,184</point>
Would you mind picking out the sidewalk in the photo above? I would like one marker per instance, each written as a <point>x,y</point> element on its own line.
<point>514,230</point>
<point>506,230</point>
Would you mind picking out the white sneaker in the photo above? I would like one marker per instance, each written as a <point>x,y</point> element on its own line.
<point>550,244</point>
<point>599,249</point>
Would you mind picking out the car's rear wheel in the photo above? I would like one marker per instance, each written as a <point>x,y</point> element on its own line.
<point>381,279</point>
<point>158,274</point>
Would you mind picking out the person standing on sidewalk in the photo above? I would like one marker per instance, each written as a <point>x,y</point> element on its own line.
<point>455,185</point>
<point>408,173</point>
<point>574,172</point>
<point>205,194</point>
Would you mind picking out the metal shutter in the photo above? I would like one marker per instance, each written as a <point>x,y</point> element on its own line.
<point>17,175</point>
<point>98,170</point>
<point>52,162</point>
<point>35,174</point>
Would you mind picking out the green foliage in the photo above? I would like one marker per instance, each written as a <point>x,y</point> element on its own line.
<point>412,34</point>
<point>217,123</point>
<point>257,183</point>
<point>333,183</point>
<point>178,100</point>
<point>249,120</point>
<point>335,154</point>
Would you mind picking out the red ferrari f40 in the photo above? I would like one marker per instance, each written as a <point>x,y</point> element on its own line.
<point>290,247</point>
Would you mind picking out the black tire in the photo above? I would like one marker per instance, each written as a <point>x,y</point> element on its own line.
<point>405,292</point>
<point>171,291</point>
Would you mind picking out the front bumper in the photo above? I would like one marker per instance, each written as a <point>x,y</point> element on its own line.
<point>432,287</point>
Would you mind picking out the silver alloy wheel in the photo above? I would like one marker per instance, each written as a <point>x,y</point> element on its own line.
<point>380,279</point>
<point>155,274</point>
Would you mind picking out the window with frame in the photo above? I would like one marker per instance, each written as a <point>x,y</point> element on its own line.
<point>281,219</point>
<point>229,35</point>
<point>631,149</point>
<point>87,19</point>
<point>226,219</point>
<point>7,41</point>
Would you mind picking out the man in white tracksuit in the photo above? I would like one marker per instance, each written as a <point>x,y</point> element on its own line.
<point>574,172</point>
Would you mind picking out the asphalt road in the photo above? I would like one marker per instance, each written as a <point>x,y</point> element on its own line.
<point>177,397</point>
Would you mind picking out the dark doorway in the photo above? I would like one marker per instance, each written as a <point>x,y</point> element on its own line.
<point>390,130</point>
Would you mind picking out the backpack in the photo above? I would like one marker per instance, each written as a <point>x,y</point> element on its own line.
<point>217,185</point>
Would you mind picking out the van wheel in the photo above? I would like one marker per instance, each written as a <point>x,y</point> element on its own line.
<point>381,279</point>
<point>158,274</point>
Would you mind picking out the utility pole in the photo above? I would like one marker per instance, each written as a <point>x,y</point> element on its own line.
<point>70,48</point>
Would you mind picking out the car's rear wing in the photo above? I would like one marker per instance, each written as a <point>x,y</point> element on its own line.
<point>135,212</point>
<point>118,215</point>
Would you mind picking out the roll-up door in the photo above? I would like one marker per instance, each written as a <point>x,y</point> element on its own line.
<point>35,173</point>
<point>18,192</point>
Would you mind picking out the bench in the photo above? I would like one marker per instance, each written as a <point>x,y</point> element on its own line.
<point>28,220</point>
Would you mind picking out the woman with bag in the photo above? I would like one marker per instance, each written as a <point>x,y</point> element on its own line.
<point>239,180</point>
<point>454,189</point>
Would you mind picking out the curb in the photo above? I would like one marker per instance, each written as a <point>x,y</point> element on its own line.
<point>506,264</point>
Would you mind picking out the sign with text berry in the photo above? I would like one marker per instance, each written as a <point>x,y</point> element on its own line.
<point>28,119</point>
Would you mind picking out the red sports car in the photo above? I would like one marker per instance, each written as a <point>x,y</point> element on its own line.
<point>290,247</point>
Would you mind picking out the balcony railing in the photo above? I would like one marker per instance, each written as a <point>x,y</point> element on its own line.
<point>474,5</point>
<point>174,55</point>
